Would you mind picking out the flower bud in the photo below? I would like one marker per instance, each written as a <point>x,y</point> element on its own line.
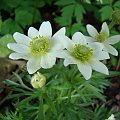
<point>116,17</point>
<point>38,80</point>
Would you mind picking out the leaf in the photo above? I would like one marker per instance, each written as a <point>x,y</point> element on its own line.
<point>51,104</point>
<point>33,15</point>
<point>67,14</point>
<point>77,27</point>
<point>9,26</point>
<point>23,17</point>
<point>117,4</point>
<point>9,82</point>
<point>35,4</point>
<point>4,51</point>
<point>41,111</point>
<point>64,2</point>
<point>12,3</point>
<point>106,12</point>
<point>65,87</point>
<point>0,24</point>
<point>79,10</point>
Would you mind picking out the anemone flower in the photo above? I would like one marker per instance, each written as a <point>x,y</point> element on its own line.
<point>85,55</point>
<point>37,47</point>
<point>103,38</point>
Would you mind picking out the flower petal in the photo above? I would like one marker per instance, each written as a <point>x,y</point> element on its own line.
<point>47,61</point>
<point>16,56</point>
<point>20,48</point>
<point>56,44</point>
<point>96,46</point>
<point>99,66</point>
<point>85,70</point>
<point>60,32</point>
<point>32,32</point>
<point>101,55</point>
<point>21,38</point>
<point>111,50</point>
<point>60,53</point>
<point>56,41</point>
<point>66,42</point>
<point>113,40</point>
<point>45,29</point>
<point>92,31</point>
<point>105,28</point>
<point>79,38</point>
<point>33,65</point>
<point>89,39</point>
<point>69,61</point>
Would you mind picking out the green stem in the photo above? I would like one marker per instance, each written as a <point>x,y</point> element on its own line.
<point>69,95</point>
<point>41,111</point>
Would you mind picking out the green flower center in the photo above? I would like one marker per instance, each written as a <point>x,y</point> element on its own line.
<point>82,52</point>
<point>39,45</point>
<point>101,37</point>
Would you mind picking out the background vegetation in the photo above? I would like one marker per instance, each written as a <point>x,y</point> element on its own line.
<point>66,96</point>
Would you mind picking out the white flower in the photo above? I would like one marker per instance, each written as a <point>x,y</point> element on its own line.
<point>37,47</point>
<point>38,80</point>
<point>85,55</point>
<point>111,117</point>
<point>103,38</point>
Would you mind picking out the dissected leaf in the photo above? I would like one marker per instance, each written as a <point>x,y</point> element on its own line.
<point>23,17</point>
<point>77,27</point>
<point>9,26</point>
<point>79,10</point>
<point>117,4</point>
<point>64,2</point>
<point>12,3</point>
<point>106,12</point>
<point>66,18</point>
<point>27,16</point>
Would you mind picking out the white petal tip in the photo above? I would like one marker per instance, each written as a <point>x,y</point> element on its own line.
<point>8,45</point>
<point>87,78</point>
<point>30,72</point>
<point>10,56</point>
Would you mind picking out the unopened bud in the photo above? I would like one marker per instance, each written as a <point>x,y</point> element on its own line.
<point>116,17</point>
<point>38,80</point>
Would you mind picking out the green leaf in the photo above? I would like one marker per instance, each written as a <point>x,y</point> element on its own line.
<point>67,14</point>
<point>64,2</point>
<point>51,104</point>
<point>31,15</point>
<point>106,12</point>
<point>4,51</point>
<point>65,87</point>
<point>41,111</point>
<point>77,27</point>
<point>35,4</point>
<point>23,17</point>
<point>106,1</point>
<point>79,10</point>
<point>0,24</point>
<point>9,26</point>
<point>117,4</point>
<point>12,3</point>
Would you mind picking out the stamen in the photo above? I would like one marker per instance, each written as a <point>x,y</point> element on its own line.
<point>101,37</point>
<point>39,45</point>
<point>82,52</point>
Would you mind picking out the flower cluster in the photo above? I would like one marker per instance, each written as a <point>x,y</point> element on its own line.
<point>41,49</point>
